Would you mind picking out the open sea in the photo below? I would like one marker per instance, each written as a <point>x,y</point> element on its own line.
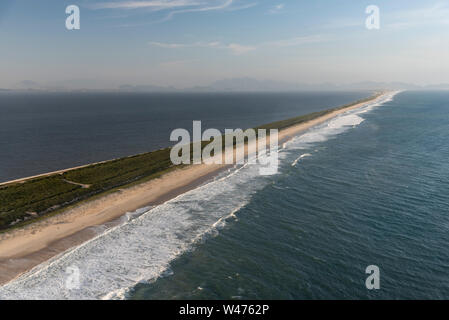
<point>42,132</point>
<point>369,187</point>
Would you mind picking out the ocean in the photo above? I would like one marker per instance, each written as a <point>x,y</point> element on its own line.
<point>368,187</point>
<point>44,132</point>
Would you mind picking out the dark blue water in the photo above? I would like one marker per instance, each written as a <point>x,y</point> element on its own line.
<point>369,187</point>
<point>376,194</point>
<point>46,132</point>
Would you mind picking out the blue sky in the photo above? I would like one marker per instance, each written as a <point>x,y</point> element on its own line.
<point>186,43</point>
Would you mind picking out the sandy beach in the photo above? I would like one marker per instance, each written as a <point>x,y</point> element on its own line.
<point>22,249</point>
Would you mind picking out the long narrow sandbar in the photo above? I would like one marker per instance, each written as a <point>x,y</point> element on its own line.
<point>24,248</point>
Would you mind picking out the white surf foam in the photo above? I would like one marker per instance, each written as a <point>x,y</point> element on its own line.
<point>142,247</point>
<point>337,125</point>
<point>381,101</point>
<point>299,158</point>
<point>345,121</point>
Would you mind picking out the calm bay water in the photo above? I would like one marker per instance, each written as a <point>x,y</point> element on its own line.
<point>366,188</point>
<point>47,132</point>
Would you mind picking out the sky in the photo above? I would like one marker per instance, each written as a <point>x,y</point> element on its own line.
<point>186,43</point>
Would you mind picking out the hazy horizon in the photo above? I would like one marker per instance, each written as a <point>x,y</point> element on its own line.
<point>191,43</point>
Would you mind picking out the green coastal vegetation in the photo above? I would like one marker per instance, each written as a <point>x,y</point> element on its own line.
<point>26,201</point>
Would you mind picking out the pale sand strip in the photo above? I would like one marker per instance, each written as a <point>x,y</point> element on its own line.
<point>24,248</point>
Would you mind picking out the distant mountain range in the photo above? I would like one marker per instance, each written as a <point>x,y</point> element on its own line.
<point>240,85</point>
<point>253,85</point>
<point>145,88</point>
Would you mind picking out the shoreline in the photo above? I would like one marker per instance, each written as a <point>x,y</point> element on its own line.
<point>24,248</point>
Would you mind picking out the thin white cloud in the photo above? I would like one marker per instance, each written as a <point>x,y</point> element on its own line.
<point>432,15</point>
<point>155,4</point>
<point>296,41</point>
<point>174,7</point>
<point>235,48</point>
<point>185,45</point>
<point>239,49</point>
<point>176,63</point>
<point>436,14</point>
<point>277,8</point>
<point>242,7</point>
<point>220,6</point>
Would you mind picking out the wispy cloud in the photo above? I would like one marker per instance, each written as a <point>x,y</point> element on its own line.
<point>239,49</point>
<point>237,7</point>
<point>219,6</point>
<point>296,41</point>
<point>277,8</point>
<point>436,14</point>
<point>185,45</point>
<point>145,4</point>
<point>173,7</point>
<point>177,63</point>
<point>233,47</point>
